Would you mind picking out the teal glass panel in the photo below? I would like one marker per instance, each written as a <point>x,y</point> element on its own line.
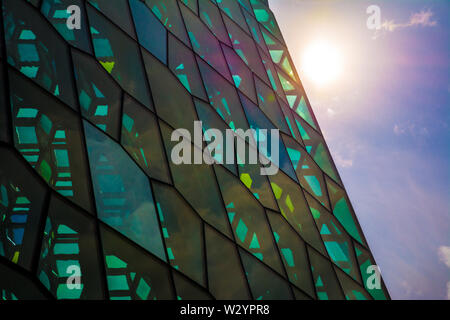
<point>119,55</point>
<point>69,264</point>
<point>48,135</point>
<point>98,94</point>
<point>133,274</point>
<point>119,13</point>
<point>232,9</point>
<point>248,220</point>
<point>210,15</point>
<point>293,253</point>
<point>142,139</point>
<point>34,49</point>
<point>122,192</point>
<point>56,13</point>
<point>352,290</point>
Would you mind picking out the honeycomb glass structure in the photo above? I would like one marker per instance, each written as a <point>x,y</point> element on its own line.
<point>87,186</point>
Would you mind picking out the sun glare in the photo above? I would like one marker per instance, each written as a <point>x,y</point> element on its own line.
<point>322,63</point>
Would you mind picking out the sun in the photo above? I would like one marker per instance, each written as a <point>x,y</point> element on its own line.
<point>322,63</point>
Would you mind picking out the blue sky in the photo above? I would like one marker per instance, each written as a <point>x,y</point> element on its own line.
<point>386,121</point>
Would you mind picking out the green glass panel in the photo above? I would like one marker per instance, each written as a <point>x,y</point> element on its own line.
<point>188,290</point>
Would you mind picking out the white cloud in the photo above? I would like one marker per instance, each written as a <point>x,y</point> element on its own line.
<point>341,162</point>
<point>444,255</point>
<point>422,19</point>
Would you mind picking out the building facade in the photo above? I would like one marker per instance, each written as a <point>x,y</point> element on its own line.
<point>91,205</point>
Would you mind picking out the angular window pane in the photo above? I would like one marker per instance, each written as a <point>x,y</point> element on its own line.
<point>182,231</point>
<point>343,210</point>
<point>131,274</point>
<point>242,76</point>
<point>308,173</point>
<point>48,135</point>
<point>204,43</point>
<point>365,260</point>
<point>223,97</point>
<point>119,13</point>
<point>21,205</point>
<point>254,30</point>
<point>226,277</point>
<point>173,103</point>
<point>56,13</point>
<point>337,242</point>
<point>16,286</point>
<point>293,252</point>
<point>352,290</point>
<point>122,192</point>
<point>210,15</point>
<point>233,10</point>
<point>325,281</point>
<point>70,249</point>
<point>98,94</point>
<point>265,16</point>
<point>183,65</point>
<point>315,145</point>
<point>245,47</point>
<point>187,290</point>
<point>151,33</point>
<point>295,210</point>
<point>264,283</point>
<point>34,49</point>
<point>142,140</point>
<point>119,55</point>
<point>169,15</point>
<point>248,220</point>
<point>191,4</point>
<point>192,180</point>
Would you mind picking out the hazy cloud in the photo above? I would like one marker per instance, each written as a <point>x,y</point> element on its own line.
<point>444,255</point>
<point>422,19</point>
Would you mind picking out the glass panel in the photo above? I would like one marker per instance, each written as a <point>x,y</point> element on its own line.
<point>210,15</point>
<point>183,65</point>
<point>254,30</point>
<point>223,97</point>
<point>191,4</point>
<point>295,210</point>
<point>267,102</point>
<point>119,13</point>
<point>352,290</point>
<point>192,180</point>
<point>204,43</point>
<point>336,241</point>
<point>258,121</point>
<point>168,13</point>
<point>48,135</point>
<point>315,145</point>
<point>14,285</point>
<point>245,47</point>
<point>264,283</point>
<point>265,16</point>
<point>233,10</point>
<point>182,231</point>
<point>21,204</point>
<point>122,192</point>
<point>187,290</point>
<point>142,139</point>
<point>325,281</point>
<point>119,55</point>
<point>56,13</point>
<point>132,274</point>
<point>98,94</point>
<point>172,101</point>
<point>248,220</point>
<point>70,251</point>
<point>310,176</point>
<point>151,33</point>
<point>242,76</point>
<point>293,252</point>
<point>343,210</point>
<point>4,102</point>
<point>225,274</point>
<point>211,120</point>
<point>365,260</point>
<point>34,49</point>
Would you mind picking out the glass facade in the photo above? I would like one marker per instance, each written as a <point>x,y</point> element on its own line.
<point>92,207</point>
